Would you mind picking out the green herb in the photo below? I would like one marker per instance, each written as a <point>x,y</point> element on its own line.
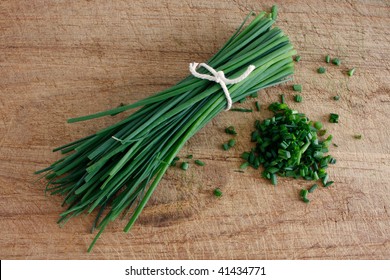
<point>297,87</point>
<point>231,143</point>
<point>254,95</point>
<point>257,106</point>
<point>225,146</point>
<point>337,97</point>
<point>189,156</point>
<point>117,169</point>
<point>289,145</point>
<point>199,162</point>
<point>336,61</point>
<point>241,110</point>
<point>321,70</point>
<point>303,195</point>
<point>312,188</point>
<point>328,184</point>
<point>217,192</point>
<point>282,98</point>
<point>318,125</point>
<point>244,165</point>
<point>351,72</point>
<point>357,136</point>
<point>274,12</point>
<point>298,98</point>
<point>327,58</point>
<point>184,165</point>
<point>231,130</point>
<point>174,161</point>
<point>334,144</point>
<point>242,100</point>
<point>297,58</point>
<point>333,118</point>
<point>322,132</point>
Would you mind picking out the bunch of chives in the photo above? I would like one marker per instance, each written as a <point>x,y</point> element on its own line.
<point>116,170</point>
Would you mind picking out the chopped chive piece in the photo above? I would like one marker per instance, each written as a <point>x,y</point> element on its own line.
<point>217,192</point>
<point>274,12</point>
<point>312,188</point>
<point>321,70</point>
<point>174,161</point>
<point>297,58</point>
<point>334,144</point>
<point>322,132</point>
<point>336,61</point>
<point>245,155</point>
<point>357,136</point>
<point>244,165</point>
<point>327,58</point>
<point>231,130</point>
<point>184,165</point>
<point>282,98</point>
<point>328,184</point>
<point>297,87</point>
<point>257,106</point>
<point>351,72</point>
<point>337,97</point>
<point>298,98</point>
<point>199,162</point>
<point>231,143</point>
<point>274,179</point>
<point>242,100</point>
<point>318,125</point>
<point>254,95</point>
<point>333,118</point>
<point>303,194</point>
<point>241,110</point>
<point>225,146</point>
<point>189,156</point>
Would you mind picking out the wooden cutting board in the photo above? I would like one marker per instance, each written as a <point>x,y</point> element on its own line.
<point>60,59</point>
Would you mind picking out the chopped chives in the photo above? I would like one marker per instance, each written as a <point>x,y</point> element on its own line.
<point>231,130</point>
<point>327,58</point>
<point>242,100</point>
<point>321,70</point>
<point>336,61</point>
<point>199,162</point>
<point>351,72</point>
<point>312,188</point>
<point>274,179</point>
<point>333,118</point>
<point>357,136</point>
<point>184,165</point>
<point>189,156</point>
<point>244,165</point>
<point>175,159</point>
<point>322,132</point>
<point>217,192</point>
<point>241,110</point>
<point>297,58</point>
<point>231,143</point>
<point>318,125</point>
<point>282,98</point>
<point>254,95</point>
<point>257,106</point>
<point>297,87</point>
<point>337,97</point>
<point>274,12</point>
<point>225,146</point>
<point>328,184</point>
<point>298,98</point>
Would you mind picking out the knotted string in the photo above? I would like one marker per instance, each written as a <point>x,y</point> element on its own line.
<point>219,77</point>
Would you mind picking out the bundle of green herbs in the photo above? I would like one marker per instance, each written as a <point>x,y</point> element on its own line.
<point>115,171</point>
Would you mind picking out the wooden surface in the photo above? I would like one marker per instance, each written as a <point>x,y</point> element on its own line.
<point>60,59</point>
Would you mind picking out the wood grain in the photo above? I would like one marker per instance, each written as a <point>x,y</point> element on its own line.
<point>60,59</point>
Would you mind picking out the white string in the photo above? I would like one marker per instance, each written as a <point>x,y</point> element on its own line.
<point>219,77</point>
